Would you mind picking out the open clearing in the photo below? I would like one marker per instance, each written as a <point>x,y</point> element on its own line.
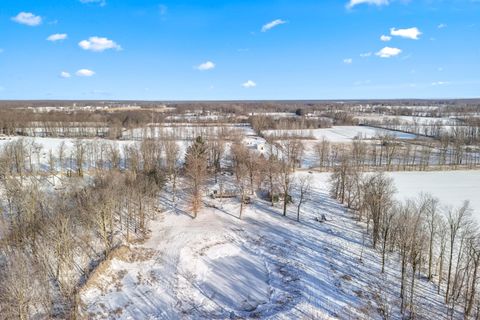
<point>263,266</point>
<point>338,134</point>
<point>450,187</point>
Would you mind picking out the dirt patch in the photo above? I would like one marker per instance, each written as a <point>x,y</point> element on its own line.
<point>122,253</point>
<point>127,254</point>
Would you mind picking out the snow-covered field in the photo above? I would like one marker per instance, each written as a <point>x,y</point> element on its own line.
<point>450,187</point>
<point>276,115</point>
<point>408,119</point>
<point>339,134</point>
<point>263,266</point>
<point>188,131</point>
<point>47,145</point>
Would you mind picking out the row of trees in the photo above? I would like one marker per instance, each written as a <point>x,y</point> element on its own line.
<point>425,237</point>
<point>391,153</point>
<point>76,123</point>
<point>51,239</point>
<point>464,131</point>
<point>271,122</point>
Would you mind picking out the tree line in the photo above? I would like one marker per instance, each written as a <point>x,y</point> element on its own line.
<point>52,238</point>
<point>428,239</point>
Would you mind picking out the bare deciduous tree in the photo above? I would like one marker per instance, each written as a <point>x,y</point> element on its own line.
<point>456,220</point>
<point>378,192</point>
<point>304,189</point>
<point>172,153</point>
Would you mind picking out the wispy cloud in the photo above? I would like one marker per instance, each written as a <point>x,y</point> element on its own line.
<point>272,24</point>
<point>207,65</point>
<point>440,83</point>
<point>388,52</point>
<point>99,2</point>
<point>385,38</point>
<point>85,73</point>
<point>409,33</point>
<point>65,74</point>
<point>27,18</point>
<point>98,44</point>
<point>348,60</point>
<point>249,84</point>
<point>441,26</point>
<point>353,3</point>
<point>57,37</point>
<point>365,54</point>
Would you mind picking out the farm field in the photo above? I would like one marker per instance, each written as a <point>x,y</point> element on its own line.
<point>450,187</point>
<point>409,119</point>
<point>338,134</point>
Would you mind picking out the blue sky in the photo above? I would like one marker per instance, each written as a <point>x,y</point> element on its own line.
<point>226,50</point>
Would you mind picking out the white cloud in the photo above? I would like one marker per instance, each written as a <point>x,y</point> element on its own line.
<point>208,65</point>
<point>65,74</point>
<point>84,73</point>
<point>385,38</point>
<point>99,2</point>
<point>57,37</point>
<point>388,52</point>
<point>249,84</point>
<point>28,19</point>
<point>272,24</point>
<point>365,54</point>
<point>353,3</point>
<point>348,61</point>
<point>441,26</point>
<point>440,83</point>
<point>98,44</point>
<point>409,33</point>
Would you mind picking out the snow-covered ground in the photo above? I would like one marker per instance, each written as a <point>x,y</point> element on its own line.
<point>264,266</point>
<point>276,115</point>
<point>338,134</point>
<point>48,145</point>
<point>407,119</point>
<point>450,187</point>
<point>53,144</point>
<point>188,131</point>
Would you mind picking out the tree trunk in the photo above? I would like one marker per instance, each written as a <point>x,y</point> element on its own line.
<point>430,258</point>
<point>472,291</point>
<point>298,210</point>
<point>449,271</point>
